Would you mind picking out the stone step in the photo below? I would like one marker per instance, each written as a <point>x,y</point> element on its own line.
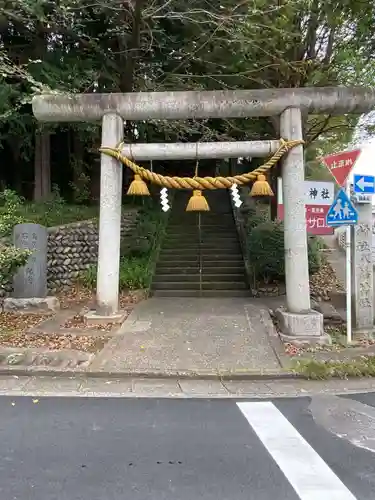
<point>215,243</point>
<point>182,269</point>
<point>178,218</point>
<point>199,236</point>
<point>201,293</point>
<point>202,251</point>
<point>224,236</point>
<point>205,261</point>
<point>217,209</point>
<point>214,225</point>
<point>205,285</point>
<point>196,232</point>
<point>230,245</point>
<point>182,277</point>
<point>189,261</point>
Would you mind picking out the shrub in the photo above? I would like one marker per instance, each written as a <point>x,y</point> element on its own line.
<point>254,221</point>
<point>266,252</point>
<point>137,253</point>
<point>252,217</point>
<point>10,260</point>
<point>134,273</point>
<point>10,204</point>
<point>136,247</point>
<point>315,257</point>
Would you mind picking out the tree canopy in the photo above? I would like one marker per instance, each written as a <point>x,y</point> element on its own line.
<point>135,45</point>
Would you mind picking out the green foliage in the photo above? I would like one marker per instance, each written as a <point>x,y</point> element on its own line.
<point>70,46</point>
<point>10,205</point>
<point>10,258</point>
<point>252,217</point>
<point>320,370</point>
<point>81,188</point>
<point>266,252</point>
<point>134,274</point>
<point>14,210</point>
<point>52,212</point>
<point>315,245</point>
<point>138,252</point>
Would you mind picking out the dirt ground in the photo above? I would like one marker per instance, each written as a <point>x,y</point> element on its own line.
<point>18,330</point>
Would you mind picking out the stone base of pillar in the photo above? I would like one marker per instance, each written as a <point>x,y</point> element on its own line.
<point>31,305</point>
<point>94,318</point>
<point>368,333</point>
<point>302,328</point>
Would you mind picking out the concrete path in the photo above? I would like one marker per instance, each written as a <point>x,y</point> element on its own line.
<point>79,449</point>
<point>192,336</point>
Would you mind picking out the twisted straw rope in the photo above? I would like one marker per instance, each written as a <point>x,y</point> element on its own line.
<point>201,182</point>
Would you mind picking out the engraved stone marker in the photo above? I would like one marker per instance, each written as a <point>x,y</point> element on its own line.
<point>31,280</point>
<point>362,266</point>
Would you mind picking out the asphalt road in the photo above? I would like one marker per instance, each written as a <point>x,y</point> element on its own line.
<point>141,449</point>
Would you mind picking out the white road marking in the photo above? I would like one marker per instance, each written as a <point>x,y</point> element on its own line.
<point>306,471</point>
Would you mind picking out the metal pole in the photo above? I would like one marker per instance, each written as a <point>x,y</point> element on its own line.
<point>348,255</point>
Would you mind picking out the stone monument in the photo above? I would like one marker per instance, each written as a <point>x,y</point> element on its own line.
<point>362,270</point>
<point>31,280</point>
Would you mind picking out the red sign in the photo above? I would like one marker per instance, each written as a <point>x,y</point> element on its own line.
<point>315,219</point>
<point>340,164</point>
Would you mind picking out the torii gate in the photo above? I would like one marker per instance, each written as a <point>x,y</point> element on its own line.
<point>287,104</point>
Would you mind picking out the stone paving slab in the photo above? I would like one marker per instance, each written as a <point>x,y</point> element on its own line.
<point>194,336</point>
<point>118,386</point>
<point>161,388</point>
<point>203,387</point>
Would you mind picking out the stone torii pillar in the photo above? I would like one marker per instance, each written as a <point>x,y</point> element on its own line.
<point>286,103</point>
<point>107,285</point>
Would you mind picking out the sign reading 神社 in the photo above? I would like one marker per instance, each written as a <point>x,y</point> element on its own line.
<point>319,196</point>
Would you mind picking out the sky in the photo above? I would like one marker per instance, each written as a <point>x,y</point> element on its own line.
<point>366,161</point>
<point>365,164</point>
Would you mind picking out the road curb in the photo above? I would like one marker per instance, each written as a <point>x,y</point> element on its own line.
<point>245,375</point>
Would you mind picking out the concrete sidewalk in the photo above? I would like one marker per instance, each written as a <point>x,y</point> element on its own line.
<point>188,336</point>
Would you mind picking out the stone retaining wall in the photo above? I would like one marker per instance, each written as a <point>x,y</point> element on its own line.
<point>72,248</point>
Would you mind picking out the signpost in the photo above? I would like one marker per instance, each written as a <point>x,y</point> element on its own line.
<point>340,166</point>
<point>318,198</point>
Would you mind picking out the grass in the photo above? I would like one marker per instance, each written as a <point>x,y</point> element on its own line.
<point>55,214</point>
<point>363,366</point>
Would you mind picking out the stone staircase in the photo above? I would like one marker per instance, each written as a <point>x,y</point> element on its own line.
<point>201,254</point>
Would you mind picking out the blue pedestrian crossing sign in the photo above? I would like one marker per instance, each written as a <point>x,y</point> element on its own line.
<point>342,212</point>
